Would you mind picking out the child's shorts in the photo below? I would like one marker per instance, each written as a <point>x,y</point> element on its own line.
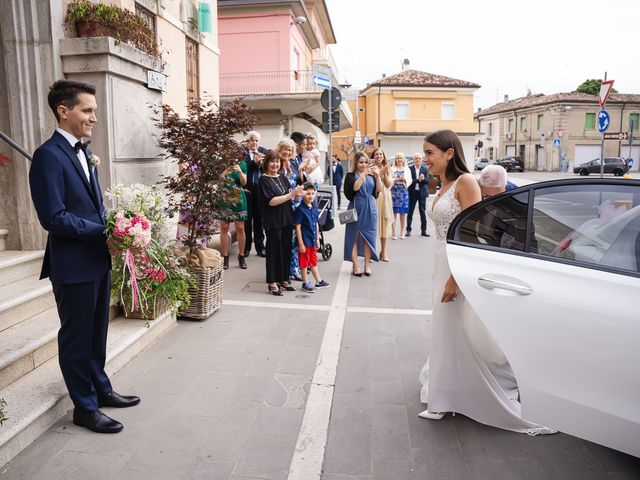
<point>309,258</point>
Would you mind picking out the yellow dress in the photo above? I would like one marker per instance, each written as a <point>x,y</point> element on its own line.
<point>385,212</point>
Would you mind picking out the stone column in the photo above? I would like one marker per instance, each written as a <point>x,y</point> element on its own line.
<point>26,71</point>
<point>125,137</point>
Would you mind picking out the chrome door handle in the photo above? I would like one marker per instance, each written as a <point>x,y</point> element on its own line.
<point>502,282</point>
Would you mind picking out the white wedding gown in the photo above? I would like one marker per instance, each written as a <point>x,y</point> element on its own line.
<point>466,371</point>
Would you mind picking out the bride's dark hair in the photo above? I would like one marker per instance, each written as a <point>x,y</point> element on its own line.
<point>444,140</point>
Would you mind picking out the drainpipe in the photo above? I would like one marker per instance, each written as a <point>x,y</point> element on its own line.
<point>516,126</point>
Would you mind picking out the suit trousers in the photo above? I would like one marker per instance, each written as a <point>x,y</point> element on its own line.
<point>82,340</point>
<point>415,197</point>
<point>278,258</point>
<point>253,224</point>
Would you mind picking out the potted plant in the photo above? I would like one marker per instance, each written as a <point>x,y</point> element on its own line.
<point>3,417</point>
<point>203,145</point>
<point>147,279</point>
<point>90,19</point>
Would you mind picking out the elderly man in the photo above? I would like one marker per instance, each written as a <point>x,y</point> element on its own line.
<point>253,224</point>
<point>418,193</point>
<point>493,180</point>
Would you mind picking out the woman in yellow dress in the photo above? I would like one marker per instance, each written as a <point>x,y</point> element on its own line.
<point>383,202</point>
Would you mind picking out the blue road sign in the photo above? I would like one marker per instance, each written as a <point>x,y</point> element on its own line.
<point>603,121</point>
<point>556,142</point>
<point>366,140</point>
<point>321,82</point>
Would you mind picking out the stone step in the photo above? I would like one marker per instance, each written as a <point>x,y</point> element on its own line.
<point>4,233</point>
<point>23,299</point>
<point>28,344</point>
<point>16,265</point>
<point>39,399</point>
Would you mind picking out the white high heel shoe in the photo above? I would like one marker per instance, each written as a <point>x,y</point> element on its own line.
<point>432,415</point>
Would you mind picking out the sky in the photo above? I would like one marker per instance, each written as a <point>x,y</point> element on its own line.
<point>507,47</point>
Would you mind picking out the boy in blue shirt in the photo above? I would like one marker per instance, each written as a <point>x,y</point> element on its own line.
<point>305,218</point>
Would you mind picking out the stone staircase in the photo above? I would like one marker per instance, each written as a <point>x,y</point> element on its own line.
<point>30,378</point>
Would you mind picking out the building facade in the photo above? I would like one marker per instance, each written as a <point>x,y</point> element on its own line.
<point>556,132</point>
<point>267,53</point>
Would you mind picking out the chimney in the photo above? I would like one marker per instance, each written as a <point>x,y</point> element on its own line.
<point>384,75</point>
<point>479,109</point>
<point>506,98</point>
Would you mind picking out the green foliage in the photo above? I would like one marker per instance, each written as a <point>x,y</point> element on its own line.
<point>3,416</point>
<point>592,87</point>
<point>202,144</point>
<point>99,19</point>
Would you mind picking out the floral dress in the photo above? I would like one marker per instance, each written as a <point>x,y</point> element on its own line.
<point>400,193</point>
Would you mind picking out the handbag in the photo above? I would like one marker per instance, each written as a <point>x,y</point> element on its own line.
<point>348,216</point>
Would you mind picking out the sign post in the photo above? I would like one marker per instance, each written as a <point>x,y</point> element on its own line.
<point>603,116</point>
<point>321,78</point>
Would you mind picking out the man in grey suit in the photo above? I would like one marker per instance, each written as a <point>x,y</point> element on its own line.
<point>418,193</point>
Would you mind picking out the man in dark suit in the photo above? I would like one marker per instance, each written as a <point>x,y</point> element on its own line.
<point>418,193</point>
<point>68,200</point>
<point>338,175</point>
<point>253,225</point>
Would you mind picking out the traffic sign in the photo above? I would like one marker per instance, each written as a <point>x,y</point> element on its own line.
<point>336,99</point>
<point>357,137</point>
<point>560,133</point>
<point>616,136</point>
<point>366,140</point>
<point>320,76</point>
<point>556,142</point>
<point>335,121</point>
<point>605,90</point>
<point>603,121</point>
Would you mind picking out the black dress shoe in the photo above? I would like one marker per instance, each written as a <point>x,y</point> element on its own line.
<point>262,253</point>
<point>118,401</point>
<point>246,253</point>
<point>97,422</point>
<point>424,234</point>
<point>408,234</point>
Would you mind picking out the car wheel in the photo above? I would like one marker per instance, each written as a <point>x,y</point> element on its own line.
<point>618,172</point>
<point>584,172</point>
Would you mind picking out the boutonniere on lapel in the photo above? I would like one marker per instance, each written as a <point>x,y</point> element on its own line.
<point>95,161</point>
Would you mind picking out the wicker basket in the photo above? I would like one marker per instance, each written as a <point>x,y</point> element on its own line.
<point>153,311</point>
<point>207,298</point>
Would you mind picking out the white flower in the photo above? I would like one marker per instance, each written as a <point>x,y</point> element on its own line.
<point>95,160</point>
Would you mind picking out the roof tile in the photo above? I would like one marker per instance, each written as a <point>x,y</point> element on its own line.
<point>416,78</point>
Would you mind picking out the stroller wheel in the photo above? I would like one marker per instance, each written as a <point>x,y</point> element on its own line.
<point>327,251</point>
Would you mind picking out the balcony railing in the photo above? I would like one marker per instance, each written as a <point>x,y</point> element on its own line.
<point>267,83</point>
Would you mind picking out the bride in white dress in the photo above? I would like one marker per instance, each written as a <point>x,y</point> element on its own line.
<point>466,371</point>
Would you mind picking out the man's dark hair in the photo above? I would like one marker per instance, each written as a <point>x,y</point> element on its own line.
<point>308,186</point>
<point>298,137</point>
<point>65,92</point>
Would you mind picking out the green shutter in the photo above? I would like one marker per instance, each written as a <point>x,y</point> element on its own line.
<point>633,121</point>
<point>589,121</point>
<point>540,122</point>
<point>205,17</point>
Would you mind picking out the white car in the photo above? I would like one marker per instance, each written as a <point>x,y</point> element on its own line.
<point>553,270</point>
<point>481,162</point>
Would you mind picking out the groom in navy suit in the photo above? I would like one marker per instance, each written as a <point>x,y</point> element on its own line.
<point>67,197</point>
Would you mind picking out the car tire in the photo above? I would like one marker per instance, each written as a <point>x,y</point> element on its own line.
<point>618,172</point>
<point>584,172</point>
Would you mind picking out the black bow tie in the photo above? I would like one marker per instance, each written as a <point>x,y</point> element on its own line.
<point>81,146</point>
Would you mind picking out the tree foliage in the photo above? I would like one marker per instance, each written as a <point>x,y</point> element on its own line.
<point>203,145</point>
<point>592,87</point>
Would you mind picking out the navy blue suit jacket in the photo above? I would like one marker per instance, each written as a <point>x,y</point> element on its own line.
<point>70,208</point>
<point>424,184</point>
<point>252,167</point>
<point>338,175</point>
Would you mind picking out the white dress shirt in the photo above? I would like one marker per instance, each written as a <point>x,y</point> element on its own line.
<point>81,156</point>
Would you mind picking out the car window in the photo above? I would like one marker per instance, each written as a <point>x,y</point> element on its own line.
<point>499,223</point>
<point>593,224</point>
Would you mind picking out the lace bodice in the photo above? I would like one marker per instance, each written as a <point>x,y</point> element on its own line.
<point>445,208</point>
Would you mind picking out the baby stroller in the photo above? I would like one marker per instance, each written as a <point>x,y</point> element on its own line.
<point>325,221</point>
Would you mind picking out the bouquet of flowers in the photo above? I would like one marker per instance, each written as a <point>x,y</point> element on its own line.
<point>146,274</point>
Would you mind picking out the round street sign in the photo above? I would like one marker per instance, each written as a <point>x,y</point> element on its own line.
<point>603,121</point>
<point>560,133</point>
<point>336,98</point>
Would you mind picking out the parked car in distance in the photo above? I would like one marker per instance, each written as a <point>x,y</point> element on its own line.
<point>616,165</point>
<point>481,162</point>
<point>553,271</point>
<point>511,162</point>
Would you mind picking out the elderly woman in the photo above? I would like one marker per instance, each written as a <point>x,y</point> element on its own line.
<point>400,193</point>
<point>383,202</point>
<point>276,195</point>
<point>361,185</point>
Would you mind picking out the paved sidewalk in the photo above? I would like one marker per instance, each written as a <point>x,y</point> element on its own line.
<point>225,398</point>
